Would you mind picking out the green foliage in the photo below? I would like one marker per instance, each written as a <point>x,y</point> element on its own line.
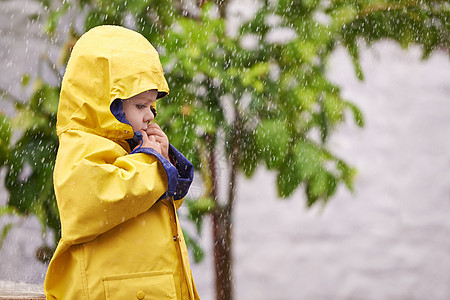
<point>197,251</point>
<point>29,160</point>
<point>197,210</point>
<point>272,142</point>
<point>425,23</point>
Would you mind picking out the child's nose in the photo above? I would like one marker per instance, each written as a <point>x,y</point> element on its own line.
<point>148,116</point>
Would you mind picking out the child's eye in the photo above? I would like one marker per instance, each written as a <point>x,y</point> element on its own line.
<point>140,106</point>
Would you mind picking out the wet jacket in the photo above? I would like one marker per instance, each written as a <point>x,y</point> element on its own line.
<point>121,238</point>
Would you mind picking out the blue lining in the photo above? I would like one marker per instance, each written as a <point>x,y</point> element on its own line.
<point>185,173</point>
<point>117,110</point>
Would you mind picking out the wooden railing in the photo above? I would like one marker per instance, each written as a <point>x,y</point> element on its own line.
<point>23,291</point>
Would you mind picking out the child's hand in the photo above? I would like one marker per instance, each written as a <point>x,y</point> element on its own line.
<point>154,131</point>
<point>150,142</point>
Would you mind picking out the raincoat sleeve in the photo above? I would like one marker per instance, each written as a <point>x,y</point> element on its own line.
<point>98,186</point>
<point>184,173</point>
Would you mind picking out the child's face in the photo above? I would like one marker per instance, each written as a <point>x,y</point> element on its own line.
<point>138,111</point>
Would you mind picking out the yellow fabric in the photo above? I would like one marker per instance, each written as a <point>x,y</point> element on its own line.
<point>118,241</point>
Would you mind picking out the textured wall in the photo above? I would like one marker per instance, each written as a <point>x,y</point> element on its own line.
<point>387,240</point>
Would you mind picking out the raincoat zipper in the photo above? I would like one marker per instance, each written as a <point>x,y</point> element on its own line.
<point>176,239</point>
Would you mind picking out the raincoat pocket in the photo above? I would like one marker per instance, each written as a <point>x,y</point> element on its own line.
<point>149,286</point>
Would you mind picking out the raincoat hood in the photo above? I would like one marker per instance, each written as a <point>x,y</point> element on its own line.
<point>107,63</point>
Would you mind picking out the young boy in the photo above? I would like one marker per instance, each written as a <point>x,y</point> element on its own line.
<point>117,190</point>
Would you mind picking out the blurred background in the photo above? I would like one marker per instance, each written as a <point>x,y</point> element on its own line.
<point>378,228</point>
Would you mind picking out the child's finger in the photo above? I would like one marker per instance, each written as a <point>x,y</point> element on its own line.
<point>153,128</point>
<point>157,138</point>
<point>150,142</point>
<point>144,135</point>
<point>153,125</point>
<point>156,132</point>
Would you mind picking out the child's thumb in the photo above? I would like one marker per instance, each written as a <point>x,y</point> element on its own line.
<point>144,136</point>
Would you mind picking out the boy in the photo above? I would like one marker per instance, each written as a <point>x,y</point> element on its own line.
<point>117,190</point>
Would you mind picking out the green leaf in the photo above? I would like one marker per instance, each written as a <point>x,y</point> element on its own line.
<point>352,48</point>
<point>324,125</point>
<point>249,153</point>
<point>306,97</point>
<point>7,210</point>
<point>5,230</point>
<point>256,71</point>
<point>307,50</point>
<point>5,135</point>
<point>357,113</point>
<point>25,80</point>
<point>165,11</point>
<point>45,99</point>
<point>343,15</point>
<point>97,17</point>
<point>333,108</point>
<point>54,18</point>
<point>136,6</point>
<point>289,177</point>
<point>205,120</point>
<point>272,141</point>
<point>309,159</point>
<point>296,8</point>
<point>197,210</point>
<point>197,251</point>
<point>347,175</point>
<point>317,185</point>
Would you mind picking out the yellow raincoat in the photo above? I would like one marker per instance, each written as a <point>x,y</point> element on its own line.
<point>121,238</point>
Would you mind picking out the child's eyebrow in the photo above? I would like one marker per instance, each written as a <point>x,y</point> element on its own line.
<point>141,101</point>
<point>145,100</point>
